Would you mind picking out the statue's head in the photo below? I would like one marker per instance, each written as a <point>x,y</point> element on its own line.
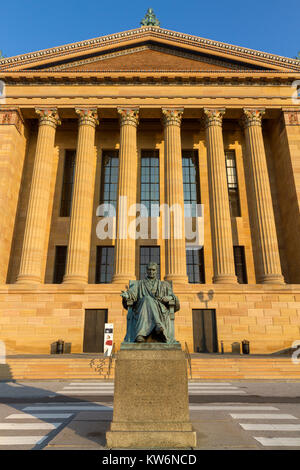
<point>152,270</point>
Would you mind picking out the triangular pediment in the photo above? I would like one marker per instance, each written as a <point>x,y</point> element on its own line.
<point>148,57</point>
<point>148,49</point>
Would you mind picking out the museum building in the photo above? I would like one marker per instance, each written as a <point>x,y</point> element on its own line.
<point>159,118</point>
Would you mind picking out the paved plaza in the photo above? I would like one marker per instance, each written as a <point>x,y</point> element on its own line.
<point>75,415</point>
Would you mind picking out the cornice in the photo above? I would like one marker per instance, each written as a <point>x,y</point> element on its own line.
<point>209,45</point>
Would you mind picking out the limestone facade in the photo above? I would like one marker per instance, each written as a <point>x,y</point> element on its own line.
<point>239,101</point>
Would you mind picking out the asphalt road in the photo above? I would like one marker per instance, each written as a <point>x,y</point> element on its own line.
<point>75,415</point>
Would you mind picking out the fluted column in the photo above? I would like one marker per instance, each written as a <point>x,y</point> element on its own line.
<point>124,267</point>
<point>223,260</point>
<point>37,212</point>
<point>82,201</point>
<point>175,243</point>
<point>267,252</point>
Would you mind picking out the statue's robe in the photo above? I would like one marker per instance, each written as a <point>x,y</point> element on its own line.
<point>148,311</point>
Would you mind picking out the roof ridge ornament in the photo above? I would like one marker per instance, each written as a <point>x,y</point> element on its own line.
<point>150,19</point>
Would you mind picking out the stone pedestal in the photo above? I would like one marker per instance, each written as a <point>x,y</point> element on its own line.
<point>151,408</point>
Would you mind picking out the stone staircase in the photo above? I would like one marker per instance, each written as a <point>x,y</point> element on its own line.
<point>204,367</point>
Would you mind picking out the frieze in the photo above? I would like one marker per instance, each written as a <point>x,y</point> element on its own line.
<point>12,117</point>
<point>291,118</point>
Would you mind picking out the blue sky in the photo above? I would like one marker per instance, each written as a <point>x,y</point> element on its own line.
<point>270,26</point>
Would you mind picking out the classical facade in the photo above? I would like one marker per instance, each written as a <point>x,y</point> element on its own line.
<point>164,119</point>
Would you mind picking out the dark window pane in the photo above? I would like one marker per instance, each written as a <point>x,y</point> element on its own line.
<point>68,183</point>
<point>109,177</point>
<point>150,181</point>
<point>191,184</point>
<point>104,264</point>
<point>232,182</point>
<point>240,264</point>
<point>59,264</point>
<point>147,254</point>
<point>195,266</point>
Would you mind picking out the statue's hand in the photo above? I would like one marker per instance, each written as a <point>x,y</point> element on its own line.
<point>125,295</point>
<point>166,299</point>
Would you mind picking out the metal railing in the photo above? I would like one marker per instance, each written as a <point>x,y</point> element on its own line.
<point>99,364</point>
<point>188,358</point>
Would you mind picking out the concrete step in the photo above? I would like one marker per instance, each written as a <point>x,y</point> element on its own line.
<point>211,368</point>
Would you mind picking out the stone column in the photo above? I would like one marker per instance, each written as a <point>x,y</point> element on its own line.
<point>124,267</point>
<point>175,243</point>
<point>37,212</point>
<point>12,155</point>
<point>262,209</point>
<point>77,265</point>
<point>222,245</point>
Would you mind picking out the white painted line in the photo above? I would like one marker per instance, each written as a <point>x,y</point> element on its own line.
<point>110,384</point>
<point>262,416</point>
<point>217,392</point>
<point>86,392</point>
<point>209,384</point>
<point>279,441</point>
<point>40,416</point>
<point>90,387</point>
<point>26,426</point>
<point>270,427</point>
<point>20,440</point>
<point>231,407</point>
<point>68,408</point>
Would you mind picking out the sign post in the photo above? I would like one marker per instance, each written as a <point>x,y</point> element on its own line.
<point>108,338</point>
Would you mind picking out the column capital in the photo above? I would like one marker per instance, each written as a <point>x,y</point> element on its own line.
<point>172,116</point>
<point>129,116</point>
<point>48,117</point>
<point>87,116</point>
<point>252,116</point>
<point>213,116</point>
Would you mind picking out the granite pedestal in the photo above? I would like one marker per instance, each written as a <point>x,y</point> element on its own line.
<point>151,407</point>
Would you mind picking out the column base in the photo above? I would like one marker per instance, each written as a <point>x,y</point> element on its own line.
<point>28,279</point>
<point>177,278</point>
<point>74,279</point>
<point>272,279</point>
<point>123,278</point>
<point>225,279</point>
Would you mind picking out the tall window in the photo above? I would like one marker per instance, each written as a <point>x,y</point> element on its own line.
<point>240,264</point>
<point>147,254</point>
<point>59,264</point>
<point>104,264</point>
<point>109,177</point>
<point>68,182</point>
<point>195,266</point>
<point>150,182</point>
<point>191,185</point>
<point>233,190</point>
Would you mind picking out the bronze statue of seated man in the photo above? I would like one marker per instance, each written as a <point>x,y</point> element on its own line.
<point>151,304</point>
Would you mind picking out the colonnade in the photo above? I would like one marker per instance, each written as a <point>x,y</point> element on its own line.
<point>82,204</point>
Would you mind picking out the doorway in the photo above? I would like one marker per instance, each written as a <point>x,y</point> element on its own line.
<point>205,331</point>
<point>93,339</point>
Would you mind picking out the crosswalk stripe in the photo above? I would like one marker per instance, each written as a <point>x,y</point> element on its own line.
<point>218,392</point>
<point>231,407</point>
<point>21,440</point>
<point>40,416</point>
<point>92,387</point>
<point>85,392</point>
<point>67,408</point>
<point>279,441</point>
<point>26,426</point>
<point>262,416</point>
<point>270,427</point>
